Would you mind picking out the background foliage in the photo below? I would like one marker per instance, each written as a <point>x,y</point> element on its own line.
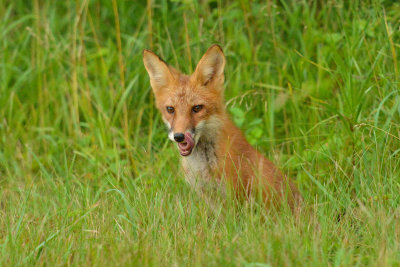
<point>87,175</point>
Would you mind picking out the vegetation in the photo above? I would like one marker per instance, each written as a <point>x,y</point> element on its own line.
<point>88,176</point>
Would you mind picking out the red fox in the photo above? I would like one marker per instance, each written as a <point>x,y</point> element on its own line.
<point>211,146</point>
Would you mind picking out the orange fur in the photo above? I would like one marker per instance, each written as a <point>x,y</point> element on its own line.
<point>221,150</point>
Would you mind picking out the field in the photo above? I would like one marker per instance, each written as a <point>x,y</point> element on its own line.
<point>88,176</point>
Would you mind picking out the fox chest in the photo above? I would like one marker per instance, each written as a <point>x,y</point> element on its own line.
<point>200,167</point>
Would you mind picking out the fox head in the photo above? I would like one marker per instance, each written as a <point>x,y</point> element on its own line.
<point>191,105</point>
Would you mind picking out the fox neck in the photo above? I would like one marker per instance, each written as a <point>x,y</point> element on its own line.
<point>206,145</point>
<point>203,161</point>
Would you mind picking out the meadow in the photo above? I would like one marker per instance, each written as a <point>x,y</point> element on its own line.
<point>88,176</point>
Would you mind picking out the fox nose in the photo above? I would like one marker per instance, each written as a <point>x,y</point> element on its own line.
<point>179,137</point>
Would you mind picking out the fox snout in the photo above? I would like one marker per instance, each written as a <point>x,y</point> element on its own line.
<point>185,142</point>
<point>179,137</point>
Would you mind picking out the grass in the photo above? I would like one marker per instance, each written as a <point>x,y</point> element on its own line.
<point>87,175</point>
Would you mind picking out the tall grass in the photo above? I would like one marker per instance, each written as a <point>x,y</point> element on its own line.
<point>87,175</point>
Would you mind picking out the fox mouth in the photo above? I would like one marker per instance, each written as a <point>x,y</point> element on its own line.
<point>186,146</point>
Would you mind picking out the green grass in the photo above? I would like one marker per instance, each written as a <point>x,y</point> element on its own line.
<point>87,175</point>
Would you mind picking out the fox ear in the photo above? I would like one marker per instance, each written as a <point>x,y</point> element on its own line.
<point>160,75</point>
<point>211,66</point>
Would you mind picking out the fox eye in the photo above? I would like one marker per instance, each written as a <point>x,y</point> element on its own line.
<point>197,108</point>
<point>170,110</point>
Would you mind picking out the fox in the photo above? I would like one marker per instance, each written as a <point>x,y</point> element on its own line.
<point>211,146</point>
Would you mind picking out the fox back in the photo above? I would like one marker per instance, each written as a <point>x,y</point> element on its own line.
<point>211,146</point>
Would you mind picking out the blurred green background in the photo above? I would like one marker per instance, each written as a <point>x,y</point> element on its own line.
<point>88,176</point>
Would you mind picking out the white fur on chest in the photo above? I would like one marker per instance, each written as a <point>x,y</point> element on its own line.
<point>201,164</point>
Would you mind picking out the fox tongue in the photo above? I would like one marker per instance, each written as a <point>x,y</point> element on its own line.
<point>186,146</point>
